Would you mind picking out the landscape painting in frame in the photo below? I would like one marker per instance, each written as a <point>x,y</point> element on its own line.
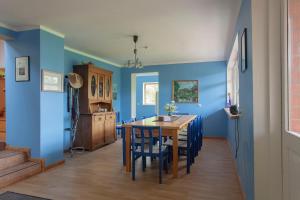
<point>185,91</point>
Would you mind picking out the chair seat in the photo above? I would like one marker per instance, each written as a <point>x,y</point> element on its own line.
<point>155,149</point>
<point>181,144</point>
<point>182,132</point>
<point>182,137</point>
<point>139,140</point>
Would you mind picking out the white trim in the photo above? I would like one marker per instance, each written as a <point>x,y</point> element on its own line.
<point>7,26</point>
<point>28,28</point>
<point>49,30</point>
<point>147,74</point>
<point>184,62</point>
<point>91,56</point>
<point>133,95</point>
<point>267,99</point>
<point>144,83</point>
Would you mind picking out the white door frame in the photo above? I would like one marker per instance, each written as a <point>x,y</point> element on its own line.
<point>267,95</point>
<point>133,89</point>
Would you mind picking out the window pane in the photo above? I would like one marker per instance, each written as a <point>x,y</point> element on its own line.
<point>294,64</point>
<point>150,90</point>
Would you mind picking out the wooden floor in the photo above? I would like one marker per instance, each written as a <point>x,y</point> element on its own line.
<point>100,175</point>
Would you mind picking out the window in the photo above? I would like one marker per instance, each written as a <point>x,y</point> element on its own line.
<point>150,90</point>
<point>233,75</point>
<point>294,65</point>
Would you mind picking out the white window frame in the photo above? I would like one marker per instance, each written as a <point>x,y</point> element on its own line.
<point>144,96</point>
<point>233,74</point>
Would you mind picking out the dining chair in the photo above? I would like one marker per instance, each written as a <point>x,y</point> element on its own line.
<point>185,147</point>
<point>149,149</point>
<point>123,136</point>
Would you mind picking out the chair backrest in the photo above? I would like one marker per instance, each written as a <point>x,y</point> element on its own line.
<point>149,133</point>
<point>127,121</point>
<point>190,134</point>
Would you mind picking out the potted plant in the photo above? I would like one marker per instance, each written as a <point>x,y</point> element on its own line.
<point>170,108</point>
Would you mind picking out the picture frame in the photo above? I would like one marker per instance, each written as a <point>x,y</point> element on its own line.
<point>52,81</point>
<point>243,55</point>
<point>185,91</point>
<point>22,69</point>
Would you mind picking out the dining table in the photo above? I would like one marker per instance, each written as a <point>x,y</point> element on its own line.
<point>170,127</point>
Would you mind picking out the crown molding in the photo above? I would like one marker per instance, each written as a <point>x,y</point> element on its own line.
<point>49,30</point>
<point>185,62</point>
<point>7,26</point>
<point>91,56</point>
<point>28,28</point>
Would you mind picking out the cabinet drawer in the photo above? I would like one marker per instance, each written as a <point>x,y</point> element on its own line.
<point>110,116</point>
<point>99,118</point>
<point>2,126</point>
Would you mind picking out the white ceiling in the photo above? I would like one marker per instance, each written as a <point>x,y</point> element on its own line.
<point>176,31</point>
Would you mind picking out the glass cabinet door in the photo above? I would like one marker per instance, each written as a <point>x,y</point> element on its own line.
<point>108,87</point>
<point>93,86</point>
<point>101,86</point>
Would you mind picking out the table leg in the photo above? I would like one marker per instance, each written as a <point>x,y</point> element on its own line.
<point>175,153</point>
<point>128,152</point>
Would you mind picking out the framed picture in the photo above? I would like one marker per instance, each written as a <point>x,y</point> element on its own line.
<point>52,81</point>
<point>244,51</point>
<point>22,69</point>
<point>185,91</point>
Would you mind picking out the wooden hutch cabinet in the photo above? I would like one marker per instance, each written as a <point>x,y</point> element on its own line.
<point>97,122</point>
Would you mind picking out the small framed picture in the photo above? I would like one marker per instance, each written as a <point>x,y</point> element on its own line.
<point>22,69</point>
<point>244,51</point>
<point>52,81</point>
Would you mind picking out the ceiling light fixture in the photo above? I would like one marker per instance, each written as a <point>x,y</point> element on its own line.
<point>136,61</point>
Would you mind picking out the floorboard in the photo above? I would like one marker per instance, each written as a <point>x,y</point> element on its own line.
<point>100,175</point>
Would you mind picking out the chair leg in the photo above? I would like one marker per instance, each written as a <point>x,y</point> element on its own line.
<point>188,161</point>
<point>144,163</point>
<point>133,167</point>
<point>166,166</point>
<point>160,168</point>
<point>124,151</point>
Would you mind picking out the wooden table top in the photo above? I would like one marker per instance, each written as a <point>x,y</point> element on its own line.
<point>179,123</point>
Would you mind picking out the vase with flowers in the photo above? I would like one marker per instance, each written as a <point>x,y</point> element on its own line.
<point>170,108</point>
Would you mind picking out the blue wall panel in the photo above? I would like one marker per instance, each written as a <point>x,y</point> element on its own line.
<point>23,98</point>
<point>212,91</point>
<point>245,159</point>
<point>71,59</point>
<point>52,104</point>
<point>143,110</point>
<point>7,34</point>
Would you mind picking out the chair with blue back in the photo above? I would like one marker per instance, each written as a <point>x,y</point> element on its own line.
<point>124,138</point>
<point>148,149</point>
<point>185,147</point>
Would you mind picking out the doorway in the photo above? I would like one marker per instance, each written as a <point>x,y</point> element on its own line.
<point>2,94</point>
<point>144,95</point>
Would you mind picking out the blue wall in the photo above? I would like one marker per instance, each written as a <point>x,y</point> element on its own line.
<point>212,92</point>
<point>52,104</point>
<point>71,59</point>
<point>35,118</point>
<point>143,110</point>
<point>245,159</point>
<point>7,34</point>
<point>23,98</point>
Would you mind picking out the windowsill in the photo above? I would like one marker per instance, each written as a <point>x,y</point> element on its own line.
<point>231,116</point>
